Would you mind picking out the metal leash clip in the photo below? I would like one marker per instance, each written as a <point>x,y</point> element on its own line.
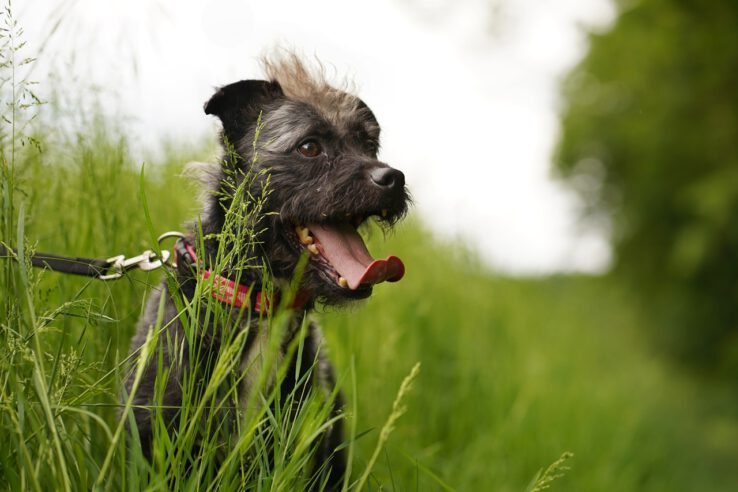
<point>146,261</point>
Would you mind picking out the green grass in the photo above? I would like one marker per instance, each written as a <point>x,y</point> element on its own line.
<point>513,372</point>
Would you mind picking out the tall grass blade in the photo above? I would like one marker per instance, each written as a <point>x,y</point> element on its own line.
<point>398,409</point>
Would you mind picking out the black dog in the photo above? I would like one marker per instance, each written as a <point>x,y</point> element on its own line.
<point>317,147</point>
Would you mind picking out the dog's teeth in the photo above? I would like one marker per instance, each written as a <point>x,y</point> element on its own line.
<point>342,282</point>
<point>384,212</point>
<point>303,234</point>
<point>313,249</point>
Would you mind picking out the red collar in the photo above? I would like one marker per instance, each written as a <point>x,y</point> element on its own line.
<point>232,293</point>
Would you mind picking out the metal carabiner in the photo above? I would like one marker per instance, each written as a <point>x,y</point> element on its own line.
<point>170,234</point>
<point>115,264</point>
<point>146,261</point>
<point>164,237</point>
<point>149,260</point>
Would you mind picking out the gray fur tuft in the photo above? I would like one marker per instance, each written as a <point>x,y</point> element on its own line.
<point>308,83</point>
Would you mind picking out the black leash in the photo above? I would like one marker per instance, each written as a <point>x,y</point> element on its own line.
<point>184,260</point>
<point>103,269</point>
<point>89,267</point>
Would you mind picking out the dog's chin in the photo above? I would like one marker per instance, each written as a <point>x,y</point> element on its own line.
<point>330,293</point>
<point>325,289</point>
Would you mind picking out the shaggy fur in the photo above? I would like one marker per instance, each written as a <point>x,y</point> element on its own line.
<point>296,104</point>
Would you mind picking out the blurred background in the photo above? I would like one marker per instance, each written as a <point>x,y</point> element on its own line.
<point>573,271</point>
<point>467,94</point>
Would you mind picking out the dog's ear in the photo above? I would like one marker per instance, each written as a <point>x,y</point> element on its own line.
<point>372,125</point>
<point>238,104</point>
<point>369,114</point>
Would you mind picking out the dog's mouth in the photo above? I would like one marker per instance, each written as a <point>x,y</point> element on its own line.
<point>338,250</point>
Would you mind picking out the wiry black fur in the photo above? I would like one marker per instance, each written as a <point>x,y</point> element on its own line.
<point>302,190</point>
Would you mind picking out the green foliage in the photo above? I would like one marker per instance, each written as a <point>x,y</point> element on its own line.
<point>649,140</point>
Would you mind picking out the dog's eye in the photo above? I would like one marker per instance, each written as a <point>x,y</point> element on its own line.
<point>310,148</point>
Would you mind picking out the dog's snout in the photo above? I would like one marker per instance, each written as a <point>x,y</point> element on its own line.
<point>387,177</point>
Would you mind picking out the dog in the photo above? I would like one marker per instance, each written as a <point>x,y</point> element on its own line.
<point>311,151</point>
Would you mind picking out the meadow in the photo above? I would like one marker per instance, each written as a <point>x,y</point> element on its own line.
<point>514,375</point>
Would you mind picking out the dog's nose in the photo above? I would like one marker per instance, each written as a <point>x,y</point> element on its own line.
<point>387,177</point>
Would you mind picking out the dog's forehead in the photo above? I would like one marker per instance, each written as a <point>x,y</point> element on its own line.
<point>308,85</point>
<point>292,120</point>
<point>344,111</point>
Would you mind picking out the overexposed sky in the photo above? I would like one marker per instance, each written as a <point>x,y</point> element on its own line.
<point>465,91</point>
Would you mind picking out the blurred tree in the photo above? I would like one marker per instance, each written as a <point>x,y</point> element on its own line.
<point>650,139</point>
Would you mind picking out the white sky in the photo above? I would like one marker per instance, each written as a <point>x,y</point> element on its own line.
<point>465,92</point>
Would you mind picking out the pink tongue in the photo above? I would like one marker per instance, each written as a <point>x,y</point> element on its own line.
<point>344,249</point>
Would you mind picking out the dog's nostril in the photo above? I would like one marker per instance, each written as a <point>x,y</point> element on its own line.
<point>387,177</point>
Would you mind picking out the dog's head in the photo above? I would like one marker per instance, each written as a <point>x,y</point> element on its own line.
<point>319,146</point>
